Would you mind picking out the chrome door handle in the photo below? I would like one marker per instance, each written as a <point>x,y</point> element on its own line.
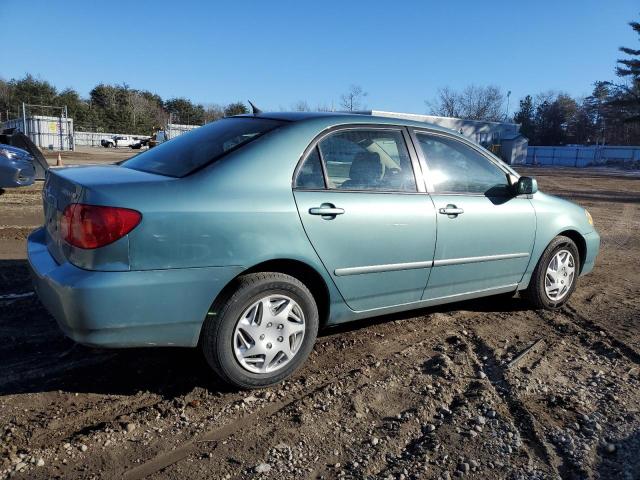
<point>326,210</point>
<point>451,210</point>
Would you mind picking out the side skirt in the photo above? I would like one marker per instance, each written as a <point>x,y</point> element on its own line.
<point>347,315</point>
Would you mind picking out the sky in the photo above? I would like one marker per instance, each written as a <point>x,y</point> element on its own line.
<point>276,53</point>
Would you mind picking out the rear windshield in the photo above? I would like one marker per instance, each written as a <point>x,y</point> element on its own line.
<point>201,146</point>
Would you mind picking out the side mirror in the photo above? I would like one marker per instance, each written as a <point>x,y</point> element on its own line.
<point>526,186</point>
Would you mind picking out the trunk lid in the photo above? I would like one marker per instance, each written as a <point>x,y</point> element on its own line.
<point>74,185</point>
<point>58,192</point>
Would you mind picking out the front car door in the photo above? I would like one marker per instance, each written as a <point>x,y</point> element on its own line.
<point>369,220</point>
<point>485,233</point>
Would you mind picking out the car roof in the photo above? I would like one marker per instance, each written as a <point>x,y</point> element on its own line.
<point>340,118</point>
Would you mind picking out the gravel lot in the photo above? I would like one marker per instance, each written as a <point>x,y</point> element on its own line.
<point>438,393</point>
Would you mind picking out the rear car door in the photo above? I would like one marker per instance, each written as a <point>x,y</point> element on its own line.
<point>485,232</point>
<point>369,220</point>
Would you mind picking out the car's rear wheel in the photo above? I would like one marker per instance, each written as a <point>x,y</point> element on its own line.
<point>555,276</point>
<point>262,331</point>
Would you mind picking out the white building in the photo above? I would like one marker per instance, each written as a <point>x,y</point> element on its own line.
<point>502,138</point>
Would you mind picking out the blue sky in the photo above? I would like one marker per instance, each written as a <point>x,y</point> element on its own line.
<point>277,52</point>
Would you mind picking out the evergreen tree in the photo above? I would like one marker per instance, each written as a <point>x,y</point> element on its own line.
<point>628,98</point>
<point>526,118</point>
<point>236,108</point>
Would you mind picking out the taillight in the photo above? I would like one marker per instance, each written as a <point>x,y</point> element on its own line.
<point>94,226</point>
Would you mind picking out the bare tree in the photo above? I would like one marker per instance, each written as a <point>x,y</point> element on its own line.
<point>323,107</point>
<point>446,104</point>
<point>213,112</point>
<point>301,106</point>
<point>352,100</point>
<point>472,103</point>
<point>483,103</point>
<point>138,106</point>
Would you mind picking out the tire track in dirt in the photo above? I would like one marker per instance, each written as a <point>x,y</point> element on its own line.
<point>586,324</point>
<point>395,347</point>
<point>522,417</point>
<point>166,459</point>
<point>584,328</point>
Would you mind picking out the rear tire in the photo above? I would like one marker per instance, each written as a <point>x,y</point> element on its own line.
<point>233,332</point>
<point>555,276</point>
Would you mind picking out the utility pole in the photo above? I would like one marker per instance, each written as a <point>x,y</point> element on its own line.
<point>508,98</point>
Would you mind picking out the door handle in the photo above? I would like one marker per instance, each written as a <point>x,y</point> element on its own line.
<point>326,210</point>
<point>451,210</point>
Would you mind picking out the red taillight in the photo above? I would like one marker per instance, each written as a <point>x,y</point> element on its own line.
<point>93,226</point>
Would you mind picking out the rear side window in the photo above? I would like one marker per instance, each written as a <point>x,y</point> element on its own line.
<point>310,176</point>
<point>457,168</point>
<point>201,146</point>
<point>368,159</point>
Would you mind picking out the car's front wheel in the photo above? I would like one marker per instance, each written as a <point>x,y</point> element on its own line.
<point>262,331</point>
<point>555,276</point>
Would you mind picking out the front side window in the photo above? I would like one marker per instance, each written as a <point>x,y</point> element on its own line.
<point>368,159</point>
<point>201,146</point>
<point>457,168</point>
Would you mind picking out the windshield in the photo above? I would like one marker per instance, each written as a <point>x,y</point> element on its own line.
<point>201,146</point>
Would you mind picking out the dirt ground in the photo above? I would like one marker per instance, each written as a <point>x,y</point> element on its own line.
<point>438,393</point>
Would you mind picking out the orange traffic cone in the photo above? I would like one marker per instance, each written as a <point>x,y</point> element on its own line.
<point>59,161</point>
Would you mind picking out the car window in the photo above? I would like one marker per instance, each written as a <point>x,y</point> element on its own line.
<point>201,146</point>
<point>368,160</point>
<point>457,168</point>
<point>309,175</point>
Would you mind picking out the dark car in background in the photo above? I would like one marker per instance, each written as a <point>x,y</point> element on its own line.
<point>16,167</point>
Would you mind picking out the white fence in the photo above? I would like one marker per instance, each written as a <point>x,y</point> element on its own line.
<point>581,156</point>
<point>92,139</point>
<point>175,129</point>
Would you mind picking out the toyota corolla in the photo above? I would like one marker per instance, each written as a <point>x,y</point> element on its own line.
<point>247,235</point>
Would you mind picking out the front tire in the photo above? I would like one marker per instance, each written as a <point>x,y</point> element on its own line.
<point>555,276</point>
<point>262,331</point>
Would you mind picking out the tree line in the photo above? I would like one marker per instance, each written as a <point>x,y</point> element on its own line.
<point>109,108</point>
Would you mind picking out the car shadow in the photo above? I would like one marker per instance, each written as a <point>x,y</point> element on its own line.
<point>493,304</point>
<point>36,357</point>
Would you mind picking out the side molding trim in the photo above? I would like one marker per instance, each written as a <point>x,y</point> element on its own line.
<point>486,258</point>
<point>392,267</point>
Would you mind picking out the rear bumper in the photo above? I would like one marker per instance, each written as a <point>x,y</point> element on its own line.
<point>125,309</point>
<point>592,241</point>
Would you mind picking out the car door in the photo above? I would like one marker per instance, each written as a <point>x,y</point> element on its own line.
<point>485,232</point>
<point>370,222</point>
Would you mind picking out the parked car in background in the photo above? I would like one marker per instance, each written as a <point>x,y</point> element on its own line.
<point>246,235</point>
<point>121,141</point>
<point>16,167</point>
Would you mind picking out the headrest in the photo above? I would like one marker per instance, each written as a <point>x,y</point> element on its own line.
<point>366,166</point>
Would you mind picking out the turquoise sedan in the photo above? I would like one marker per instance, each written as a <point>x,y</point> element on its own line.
<point>247,235</point>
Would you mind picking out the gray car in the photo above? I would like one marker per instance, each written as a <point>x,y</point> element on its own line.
<point>16,167</point>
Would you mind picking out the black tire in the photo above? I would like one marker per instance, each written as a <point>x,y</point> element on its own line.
<point>536,292</point>
<point>216,338</point>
